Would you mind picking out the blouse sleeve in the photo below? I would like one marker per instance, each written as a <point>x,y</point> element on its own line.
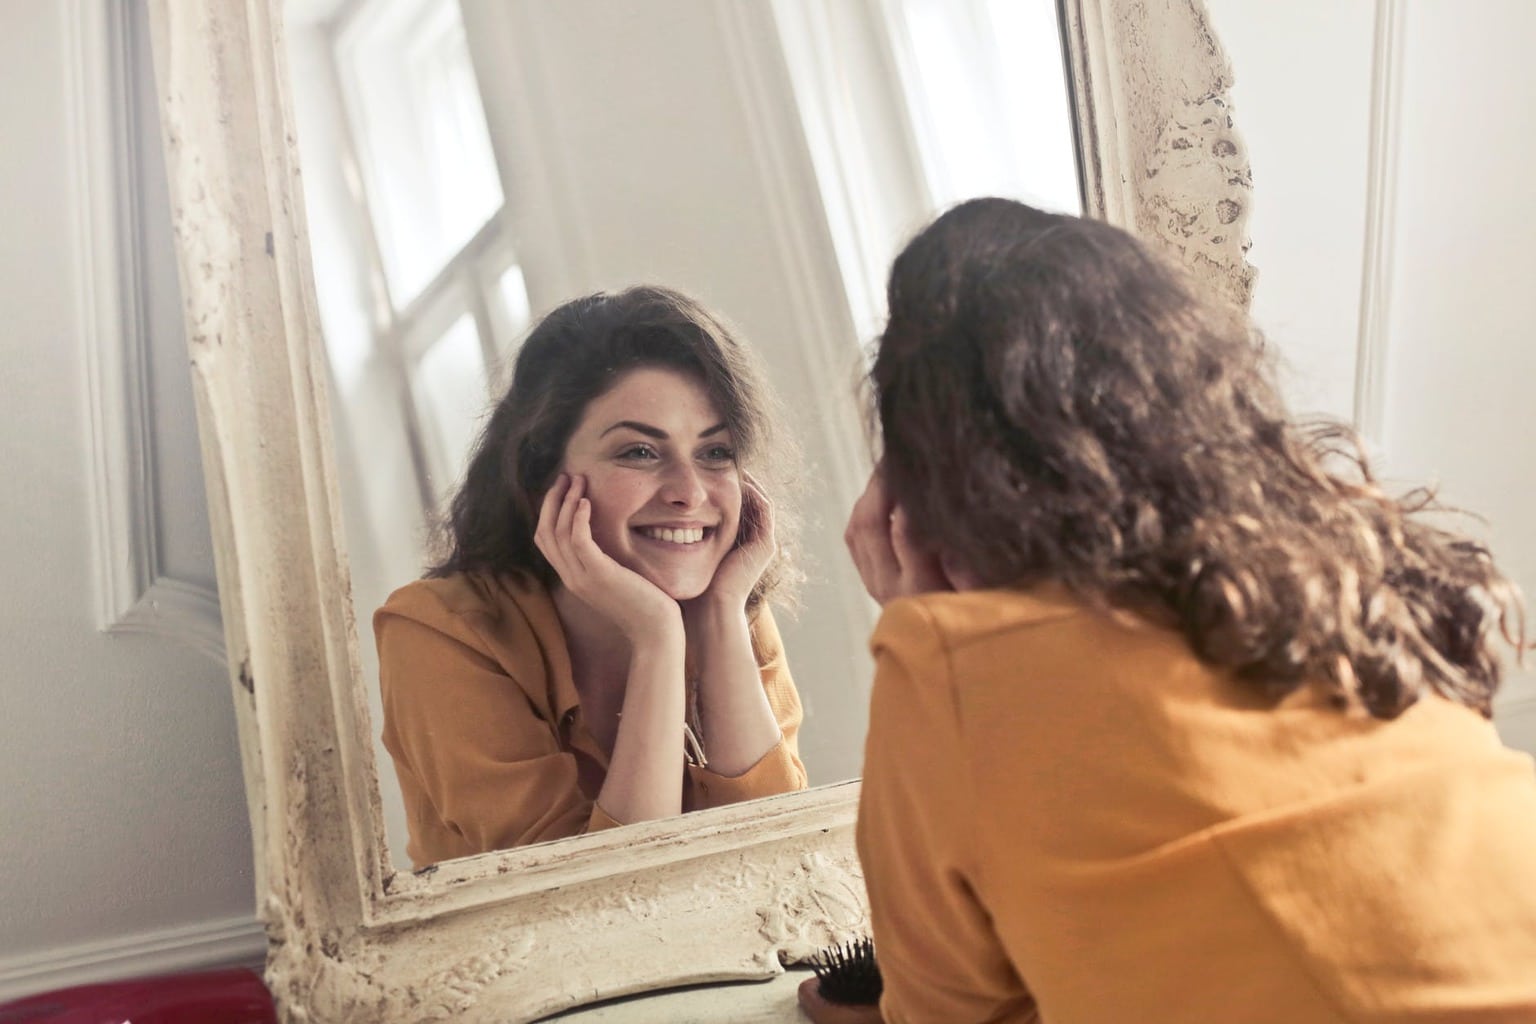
<point>780,769</point>
<point>480,769</point>
<point>939,956</point>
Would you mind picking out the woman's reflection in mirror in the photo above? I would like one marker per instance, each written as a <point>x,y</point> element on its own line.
<point>1178,715</point>
<point>595,646</point>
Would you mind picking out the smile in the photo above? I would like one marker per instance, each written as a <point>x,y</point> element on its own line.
<point>670,535</point>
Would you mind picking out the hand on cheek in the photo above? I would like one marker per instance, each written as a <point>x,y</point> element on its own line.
<point>747,560</point>
<point>564,536</point>
<point>891,561</point>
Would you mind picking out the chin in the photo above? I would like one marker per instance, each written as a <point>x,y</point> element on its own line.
<point>681,590</point>
<point>679,586</point>
<point>679,582</point>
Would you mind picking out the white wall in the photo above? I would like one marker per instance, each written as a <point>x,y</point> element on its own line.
<point>122,824</point>
<point>1461,364</point>
<point>1306,124</point>
<point>1456,86</point>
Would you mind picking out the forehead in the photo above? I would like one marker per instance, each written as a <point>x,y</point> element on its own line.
<point>670,399</point>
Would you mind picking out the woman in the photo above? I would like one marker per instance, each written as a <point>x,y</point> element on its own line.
<point>1177,716</point>
<point>596,648</point>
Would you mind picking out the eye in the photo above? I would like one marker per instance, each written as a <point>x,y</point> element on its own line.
<point>639,453</point>
<point>718,454</point>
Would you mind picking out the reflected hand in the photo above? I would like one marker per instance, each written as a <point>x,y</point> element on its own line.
<point>631,602</point>
<point>890,560</point>
<point>755,548</point>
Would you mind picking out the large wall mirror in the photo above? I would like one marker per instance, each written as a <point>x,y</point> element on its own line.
<point>470,165</point>
<point>375,198</point>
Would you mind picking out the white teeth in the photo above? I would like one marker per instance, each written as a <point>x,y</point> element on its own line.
<point>671,536</point>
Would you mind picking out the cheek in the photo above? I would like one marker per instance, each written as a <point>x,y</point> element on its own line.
<point>615,499</point>
<point>728,498</point>
<point>604,531</point>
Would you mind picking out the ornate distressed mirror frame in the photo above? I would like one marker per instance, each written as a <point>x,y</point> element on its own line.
<point>725,894</point>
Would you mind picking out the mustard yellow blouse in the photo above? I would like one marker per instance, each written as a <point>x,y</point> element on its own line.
<point>484,724</point>
<point>1068,818</point>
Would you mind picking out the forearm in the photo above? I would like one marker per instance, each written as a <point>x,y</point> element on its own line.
<point>739,726</point>
<point>645,773</point>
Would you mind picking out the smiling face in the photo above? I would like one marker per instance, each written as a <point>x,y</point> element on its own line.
<point>662,478</point>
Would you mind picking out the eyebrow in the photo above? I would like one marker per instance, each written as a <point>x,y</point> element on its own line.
<point>655,432</point>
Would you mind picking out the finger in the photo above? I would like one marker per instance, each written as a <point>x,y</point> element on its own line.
<point>549,511</point>
<point>872,512</point>
<point>549,508</point>
<point>875,560</point>
<point>903,546</point>
<point>577,533</point>
<point>756,516</point>
<point>583,547</point>
<point>868,538</point>
<point>878,568</point>
<point>573,496</point>
<point>764,513</point>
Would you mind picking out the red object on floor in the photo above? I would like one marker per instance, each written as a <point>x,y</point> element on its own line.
<point>211,997</point>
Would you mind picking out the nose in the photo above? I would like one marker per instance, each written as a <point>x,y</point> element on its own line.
<point>682,486</point>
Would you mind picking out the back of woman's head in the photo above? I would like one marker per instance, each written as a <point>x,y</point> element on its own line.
<point>575,354</point>
<point>1058,403</point>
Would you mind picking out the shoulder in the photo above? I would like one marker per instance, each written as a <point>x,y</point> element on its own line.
<point>429,629</point>
<point>938,623</point>
<point>1044,645</point>
<point>462,594</point>
<point>476,608</point>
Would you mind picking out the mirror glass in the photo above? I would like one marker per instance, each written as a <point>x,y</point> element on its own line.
<point>468,166</point>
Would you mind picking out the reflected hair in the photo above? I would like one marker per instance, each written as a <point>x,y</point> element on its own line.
<point>575,354</point>
<point>1057,402</point>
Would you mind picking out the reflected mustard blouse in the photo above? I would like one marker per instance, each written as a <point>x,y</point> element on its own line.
<point>484,724</point>
<point>1068,818</point>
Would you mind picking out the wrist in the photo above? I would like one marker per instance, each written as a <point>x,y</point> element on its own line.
<point>656,626</point>
<point>711,609</point>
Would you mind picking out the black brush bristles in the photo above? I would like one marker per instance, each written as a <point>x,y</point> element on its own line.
<point>848,974</point>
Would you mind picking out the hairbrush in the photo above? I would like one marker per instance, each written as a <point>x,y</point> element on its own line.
<point>847,974</point>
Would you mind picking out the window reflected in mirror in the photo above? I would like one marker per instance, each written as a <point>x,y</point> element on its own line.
<point>417,129</point>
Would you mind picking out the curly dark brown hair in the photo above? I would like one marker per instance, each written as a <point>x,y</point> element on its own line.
<point>575,354</point>
<point>1057,402</point>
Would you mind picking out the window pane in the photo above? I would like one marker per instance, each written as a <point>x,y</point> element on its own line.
<point>421,136</point>
<point>512,293</point>
<point>449,386</point>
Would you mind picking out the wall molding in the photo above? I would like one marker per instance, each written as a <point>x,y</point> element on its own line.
<point>185,612</point>
<point>133,594</point>
<point>1380,220</point>
<point>238,941</point>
